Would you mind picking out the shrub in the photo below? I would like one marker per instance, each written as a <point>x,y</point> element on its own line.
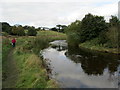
<point>32,32</point>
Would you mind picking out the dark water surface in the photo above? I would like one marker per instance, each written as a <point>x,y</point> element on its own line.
<point>73,67</point>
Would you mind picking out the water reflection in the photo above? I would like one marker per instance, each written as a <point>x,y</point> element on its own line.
<point>59,48</point>
<point>80,68</point>
<point>92,62</point>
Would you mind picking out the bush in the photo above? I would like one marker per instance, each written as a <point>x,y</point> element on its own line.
<point>32,32</point>
<point>18,30</point>
<point>73,39</point>
<point>102,38</point>
<point>40,43</point>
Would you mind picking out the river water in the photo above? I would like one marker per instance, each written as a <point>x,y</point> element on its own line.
<point>73,67</point>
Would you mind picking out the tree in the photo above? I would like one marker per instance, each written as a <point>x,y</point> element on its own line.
<point>18,30</point>
<point>59,27</point>
<point>63,27</point>
<point>73,30</point>
<point>26,27</point>
<point>32,31</point>
<point>92,26</point>
<point>74,27</point>
<point>14,30</point>
<point>6,27</point>
<point>38,29</point>
<point>54,29</point>
<point>114,21</point>
<point>113,32</point>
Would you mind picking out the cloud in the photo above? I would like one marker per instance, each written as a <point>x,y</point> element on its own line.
<point>88,1</point>
<point>44,13</point>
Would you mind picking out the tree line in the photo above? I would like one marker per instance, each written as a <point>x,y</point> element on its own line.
<point>20,30</point>
<point>93,27</point>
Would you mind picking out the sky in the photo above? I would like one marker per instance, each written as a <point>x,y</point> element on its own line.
<point>49,13</point>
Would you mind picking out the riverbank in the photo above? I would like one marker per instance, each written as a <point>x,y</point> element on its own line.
<point>30,67</point>
<point>97,47</point>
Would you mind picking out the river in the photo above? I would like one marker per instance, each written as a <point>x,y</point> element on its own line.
<point>73,67</point>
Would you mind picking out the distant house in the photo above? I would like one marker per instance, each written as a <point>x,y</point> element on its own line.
<point>45,28</point>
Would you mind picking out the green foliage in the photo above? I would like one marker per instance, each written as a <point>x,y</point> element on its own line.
<point>73,31</point>
<point>74,27</point>
<point>102,38</point>
<point>6,27</point>
<point>73,39</point>
<point>40,43</point>
<point>94,45</point>
<point>5,50</point>
<point>112,35</point>
<point>32,31</point>
<point>114,21</point>
<point>44,37</point>
<point>92,26</point>
<point>14,30</point>
<point>21,31</point>
<point>18,30</point>
<point>32,73</point>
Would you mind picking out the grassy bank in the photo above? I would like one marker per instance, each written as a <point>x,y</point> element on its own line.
<point>93,45</point>
<point>32,73</point>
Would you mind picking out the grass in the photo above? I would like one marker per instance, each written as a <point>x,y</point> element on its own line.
<point>32,73</point>
<point>5,50</point>
<point>93,45</point>
<point>52,35</point>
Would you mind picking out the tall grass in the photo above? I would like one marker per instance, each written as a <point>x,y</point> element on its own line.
<point>32,71</point>
<point>40,43</point>
<point>5,50</point>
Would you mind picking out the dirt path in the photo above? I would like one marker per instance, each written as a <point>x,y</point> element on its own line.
<point>11,72</point>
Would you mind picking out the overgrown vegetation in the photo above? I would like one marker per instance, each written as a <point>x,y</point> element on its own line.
<point>95,45</point>
<point>32,72</point>
<point>96,31</point>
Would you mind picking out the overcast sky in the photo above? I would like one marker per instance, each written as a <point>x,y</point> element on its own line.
<point>43,13</point>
